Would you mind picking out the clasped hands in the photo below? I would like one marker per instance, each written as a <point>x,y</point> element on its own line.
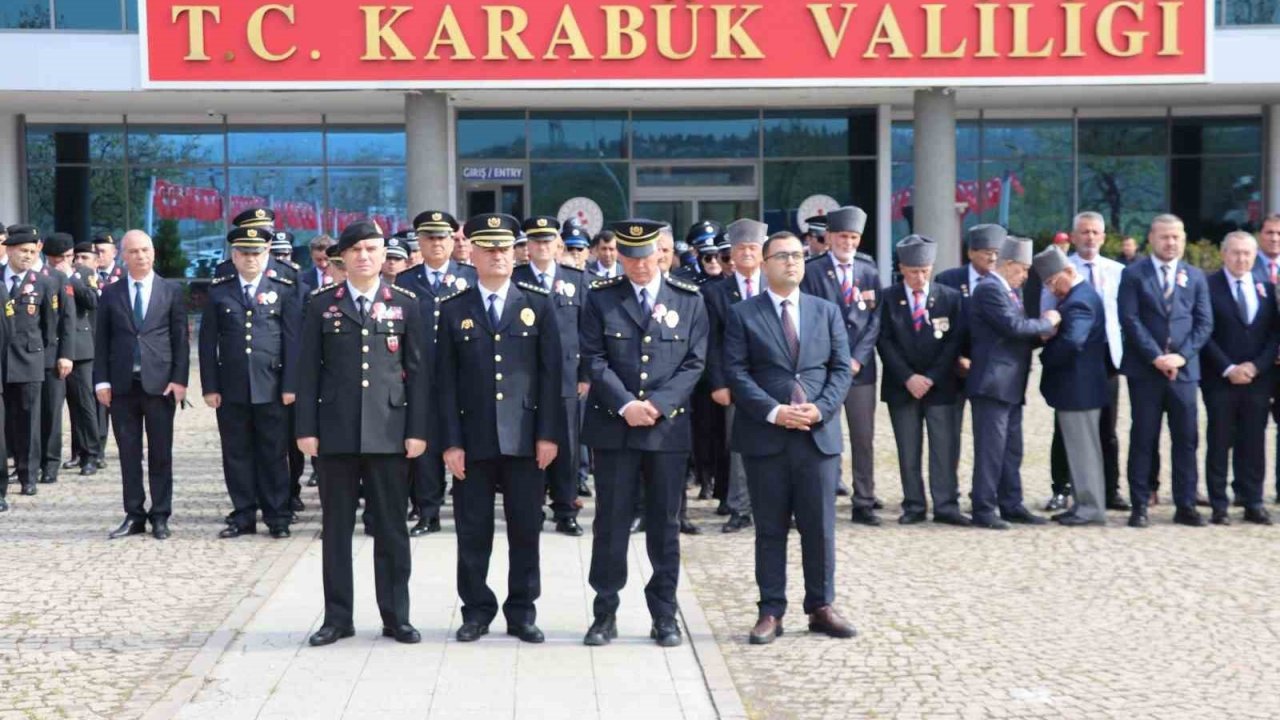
<point>802,416</point>
<point>1169,363</point>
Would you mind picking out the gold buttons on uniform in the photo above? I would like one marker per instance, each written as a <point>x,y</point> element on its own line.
<point>437,313</point>
<point>644,376</point>
<point>365,366</point>
<point>364,383</point>
<point>248,325</point>
<point>248,350</point>
<point>364,348</point>
<point>499,396</point>
<point>248,337</point>
<point>497,358</point>
<point>648,338</point>
<point>620,335</point>
<point>497,338</point>
<point>644,358</point>
<point>498,377</point>
<point>365,331</point>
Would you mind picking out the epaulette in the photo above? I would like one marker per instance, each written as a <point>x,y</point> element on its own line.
<point>567,266</point>
<point>324,288</point>
<point>404,291</point>
<point>440,299</point>
<point>533,288</point>
<point>464,263</point>
<point>682,284</point>
<point>222,279</point>
<point>292,264</point>
<point>607,282</point>
<point>864,257</point>
<point>282,280</point>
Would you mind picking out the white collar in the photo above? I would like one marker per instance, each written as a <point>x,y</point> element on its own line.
<point>443,269</point>
<point>909,291</point>
<point>501,292</point>
<point>777,299</point>
<point>550,273</point>
<point>252,283</point>
<point>370,296</point>
<point>1157,263</point>
<point>753,277</point>
<point>653,287</point>
<point>1246,278</point>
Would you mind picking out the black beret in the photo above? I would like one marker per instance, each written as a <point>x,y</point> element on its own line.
<point>22,235</point>
<point>492,230</point>
<point>255,217</point>
<point>104,238</point>
<point>58,243</point>
<point>435,222</point>
<point>357,231</point>
<point>84,247</point>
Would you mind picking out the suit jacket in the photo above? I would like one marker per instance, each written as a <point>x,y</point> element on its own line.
<point>633,356</point>
<point>720,297</point>
<point>593,267</point>
<point>162,338</point>
<point>932,352</point>
<point>1003,338</point>
<point>861,317</point>
<point>362,388</point>
<point>1149,331</point>
<point>308,281</point>
<point>1262,268</point>
<point>567,295</point>
<point>761,373</point>
<point>1075,359</point>
<point>499,387</point>
<point>85,288</point>
<point>33,321</point>
<point>249,352</point>
<point>1106,281</point>
<point>1234,342</point>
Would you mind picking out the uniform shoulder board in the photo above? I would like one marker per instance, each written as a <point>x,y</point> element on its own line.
<point>567,266</point>
<point>682,284</point>
<point>446,298</point>
<point>404,291</point>
<point>222,279</point>
<point>865,257</point>
<point>607,282</point>
<point>464,263</point>
<point>293,264</point>
<point>324,289</point>
<point>283,280</point>
<point>533,288</point>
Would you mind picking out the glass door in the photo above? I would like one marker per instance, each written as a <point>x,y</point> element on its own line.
<point>688,192</point>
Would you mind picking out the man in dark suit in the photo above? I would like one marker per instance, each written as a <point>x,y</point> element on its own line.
<point>1267,269</point>
<point>86,448</point>
<point>248,372</point>
<point>849,279</point>
<point>318,276</point>
<point>262,220</point>
<point>501,421</point>
<point>57,358</point>
<point>1074,383</point>
<point>1239,371</point>
<point>983,250</point>
<point>567,288</point>
<point>644,342</point>
<point>142,361</point>
<point>919,343</point>
<point>787,359</point>
<point>362,410</point>
<point>604,249</point>
<point>437,276</point>
<point>1166,319</point>
<point>1003,337</point>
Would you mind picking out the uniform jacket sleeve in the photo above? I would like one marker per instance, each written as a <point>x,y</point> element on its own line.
<point>291,326</point>
<point>716,311</point>
<point>207,345</point>
<point>66,316</point>
<point>306,410</point>
<point>179,341</point>
<point>1005,319</point>
<point>448,425</point>
<point>102,345</point>
<point>417,380</point>
<point>550,420</point>
<point>895,364</point>
<point>863,346</point>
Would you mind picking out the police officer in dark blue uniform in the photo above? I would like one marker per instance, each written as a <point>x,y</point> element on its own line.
<point>644,343</point>
<point>501,419</point>
<point>248,369</point>
<point>81,403</point>
<point>362,368</point>
<point>263,220</point>
<point>567,286</point>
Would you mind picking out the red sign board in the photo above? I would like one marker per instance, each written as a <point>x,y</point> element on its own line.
<point>574,43</point>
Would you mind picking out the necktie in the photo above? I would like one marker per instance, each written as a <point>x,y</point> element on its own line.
<point>1241,304</point>
<point>1168,288</point>
<point>846,284</point>
<point>137,318</point>
<point>917,313</point>
<point>644,301</point>
<point>248,296</point>
<point>749,292</point>
<point>493,310</point>
<point>793,346</point>
<point>13,287</point>
<point>435,280</point>
<point>363,304</point>
<point>1088,273</point>
<point>545,280</point>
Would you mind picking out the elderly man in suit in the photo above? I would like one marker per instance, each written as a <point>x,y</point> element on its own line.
<point>1239,372</point>
<point>919,344</point>
<point>142,363</point>
<point>1166,319</point>
<point>1074,382</point>
<point>787,361</point>
<point>1003,338</point>
<point>1103,275</point>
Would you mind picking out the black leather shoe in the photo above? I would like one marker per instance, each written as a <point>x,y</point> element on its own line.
<point>4,505</point>
<point>1220,517</point>
<point>842,490</point>
<point>865,516</point>
<point>29,489</point>
<point>1202,500</point>
<point>637,525</point>
<point>583,489</point>
<point>1118,504</point>
<point>688,528</point>
<point>129,527</point>
<point>235,531</point>
<point>296,504</point>
<point>911,518</point>
<point>425,526</point>
<point>47,479</point>
<point>405,633</point>
<point>313,480</point>
<point>160,530</point>
<point>89,469</point>
<point>1188,516</point>
<point>1257,515</point>
<point>723,509</point>
<point>99,463</point>
<point>1073,520</point>
<point>956,519</point>
<point>328,635</point>
<point>1057,502</point>
<point>471,632</point>
<point>280,533</point>
<point>602,630</point>
<point>526,633</point>
<point>736,522</point>
<point>1138,518</point>
<point>1023,516</point>
<point>71,464</point>
<point>989,522</point>
<point>704,493</point>
<point>414,514</point>
<point>569,526</point>
<point>877,504</point>
<point>666,631</point>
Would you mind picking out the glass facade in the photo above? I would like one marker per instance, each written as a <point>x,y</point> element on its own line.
<point>183,183</point>
<point>1033,176</point>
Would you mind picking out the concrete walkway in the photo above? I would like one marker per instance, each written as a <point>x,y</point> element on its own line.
<point>267,670</point>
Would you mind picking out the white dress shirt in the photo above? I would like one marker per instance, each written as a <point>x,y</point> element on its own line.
<point>794,311</point>
<point>369,297</point>
<point>911,298</point>
<point>251,285</point>
<point>742,284</point>
<point>1159,264</point>
<point>147,283</point>
<point>548,278</point>
<point>432,277</point>
<point>1250,299</point>
<point>975,277</point>
<point>501,292</point>
<point>652,288</point>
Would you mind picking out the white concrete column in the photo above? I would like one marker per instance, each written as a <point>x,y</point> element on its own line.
<point>884,192</point>
<point>934,143</point>
<point>429,175</point>
<point>1271,162</point>
<point>12,166</point>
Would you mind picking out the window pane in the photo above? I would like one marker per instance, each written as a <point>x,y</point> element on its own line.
<point>1127,191</point>
<point>87,14</point>
<point>1123,137</point>
<point>1030,197</point>
<point>900,202</point>
<point>1201,136</point>
<point>296,195</point>
<point>74,144</point>
<point>1214,196</point>
<point>819,133</point>
<point>1026,139</point>
<point>692,175</point>
<point>696,135</point>
<point>605,183</point>
<point>366,193</point>
<point>787,184</point>
<point>491,135</point>
<point>176,144</point>
<point>374,145</point>
<point>39,197</point>
<point>275,146</point>
<point>1252,12</point>
<point>578,135</point>
<point>24,14</point>
<point>900,141</point>
<point>182,210</point>
<point>131,14</point>
<point>967,140</point>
